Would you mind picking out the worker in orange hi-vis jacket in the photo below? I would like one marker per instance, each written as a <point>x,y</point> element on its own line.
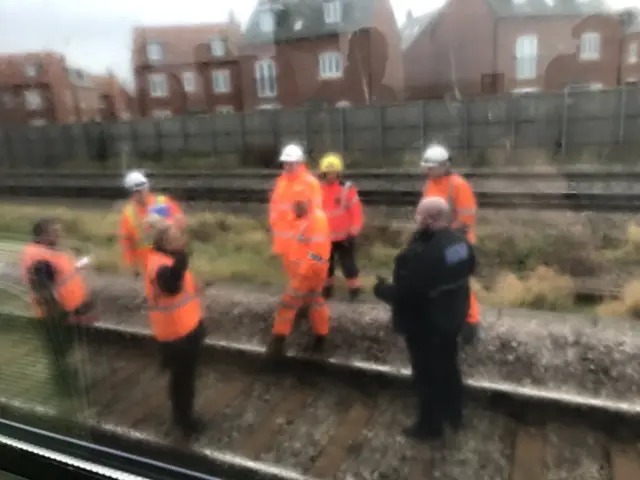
<point>139,215</point>
<point>343,208</point>
<point>444,183</point>
<point>282,221</point>
<point>307,257</point>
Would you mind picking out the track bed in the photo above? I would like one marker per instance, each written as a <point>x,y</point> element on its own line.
<point>320,425</point>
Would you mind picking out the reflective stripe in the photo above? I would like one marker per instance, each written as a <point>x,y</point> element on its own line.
<point>316,257</point>
<point>174,306</point>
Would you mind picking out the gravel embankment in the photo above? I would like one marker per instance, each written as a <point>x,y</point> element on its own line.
<point>564,352</point>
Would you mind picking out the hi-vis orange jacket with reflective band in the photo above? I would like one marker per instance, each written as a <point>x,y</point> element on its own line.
<point>461,199</point>
<point>171,317</point>
<point>342,206</point>
<point>69,287</point>
<point>309,253</point>
<point>135,238</point>
<point>281,218</point>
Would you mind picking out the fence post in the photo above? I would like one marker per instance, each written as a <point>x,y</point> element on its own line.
<point>565,114</point>
<point>465,120</point>
<point>381,143</point>
<point>341,116</point>
<point>423,122</point>
<point>623,113</point>
<point>513,118</point>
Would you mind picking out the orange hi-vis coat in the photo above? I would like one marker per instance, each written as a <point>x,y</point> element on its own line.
<point>135,235</point>
<point>69,288</point>
<point>281,218</point>
<point>343,208</point>
<point>461,199</point>
<point>308,256</point>
<point>171,317</point>
<point>459,195</point>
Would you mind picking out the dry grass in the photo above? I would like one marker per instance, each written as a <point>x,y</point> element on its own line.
<point>627,305</point>
<point>539,256</point>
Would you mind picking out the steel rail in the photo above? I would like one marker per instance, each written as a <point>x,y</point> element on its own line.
<point>514,399</point>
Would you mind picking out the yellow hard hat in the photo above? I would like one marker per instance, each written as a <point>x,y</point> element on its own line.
<point>331,163</point>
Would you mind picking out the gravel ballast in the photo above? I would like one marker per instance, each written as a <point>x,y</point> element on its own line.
<point>563,352</point>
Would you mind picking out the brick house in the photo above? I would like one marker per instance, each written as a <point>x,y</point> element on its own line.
<point>40,88</point>
<point>322,52</point>
<point>187,69</point>
<point>116,103</point>
<point>491,46</point>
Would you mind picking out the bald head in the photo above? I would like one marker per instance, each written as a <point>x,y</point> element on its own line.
<point>432,212</point>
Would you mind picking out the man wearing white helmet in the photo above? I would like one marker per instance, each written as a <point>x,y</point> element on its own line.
<point>142,212</point>
<point>295,175</point>
<point>444,183</point>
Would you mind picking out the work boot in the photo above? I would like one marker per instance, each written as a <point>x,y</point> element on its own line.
<point>275,348</point>
<point>187,430</point>
<point>318,343</point>
<point>327,292</point>
<point>354,293</point>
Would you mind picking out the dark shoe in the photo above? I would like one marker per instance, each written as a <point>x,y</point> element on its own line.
<point>354,293</point>
<point>275,349</point>
<point>327,292</point>
<point>318,344</point>
<point>422,434</point>
<point>190,429</point>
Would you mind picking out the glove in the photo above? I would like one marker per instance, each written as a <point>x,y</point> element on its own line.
<point>469,333</point>
<point>379,287</point>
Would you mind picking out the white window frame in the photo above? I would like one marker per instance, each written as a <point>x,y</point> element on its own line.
<point>525,90</point>
<point>33,99</point>
<point>158,85</point>
<point>632,53</point>
<point>330,65</point>
<point>267,21</point>
<point>189,81</point>
<point>526,57</point>
<point>225,109</point>
<point>343,104</point>
<point>332,11</point>
<point>31,70</point>
<point>37,122</point>
<point>217,47</point>
<point>266,75</point>
<point>155,52</point>
<point>590,45</point>
<point>221,81</point>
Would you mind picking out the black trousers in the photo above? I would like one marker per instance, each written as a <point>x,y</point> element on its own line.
<point>58,338</point>
<point>180,357</point>
<point>344,252</point>
<point>437,380</point>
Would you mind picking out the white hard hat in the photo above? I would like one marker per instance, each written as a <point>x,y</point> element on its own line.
<point>435,155</point>
<point>135,180</point>
<point>292,153</point>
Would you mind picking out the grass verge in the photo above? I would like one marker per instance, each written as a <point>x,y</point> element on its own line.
<point>522,264</point>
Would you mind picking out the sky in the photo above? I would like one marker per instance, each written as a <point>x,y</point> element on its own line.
<point>96,34</point>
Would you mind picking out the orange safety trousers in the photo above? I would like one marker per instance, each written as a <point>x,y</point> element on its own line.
<point>301,292</point>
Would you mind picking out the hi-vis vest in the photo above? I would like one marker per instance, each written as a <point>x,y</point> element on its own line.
<point>171,317</point>
<point>69,288</point>
<point>144,238</point>
<point>337,202</point>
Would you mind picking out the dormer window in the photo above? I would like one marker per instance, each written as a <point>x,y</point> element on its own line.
<point>217,47</point>
<point>267,21</point>
<point>31,69</point>
<point>154,52</point>
<point>332,11</point>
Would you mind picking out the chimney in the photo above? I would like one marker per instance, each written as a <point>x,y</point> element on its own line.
<point>409,16</point>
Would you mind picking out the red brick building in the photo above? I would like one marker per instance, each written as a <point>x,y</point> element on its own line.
<point>187,69</point>
<point>41,88</point>
<point>322,52</point>
<point>116,103</point>
<point>474,47</point>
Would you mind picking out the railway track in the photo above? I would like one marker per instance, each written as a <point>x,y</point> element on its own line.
<point>560,201</point>
<point>314,420</point>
